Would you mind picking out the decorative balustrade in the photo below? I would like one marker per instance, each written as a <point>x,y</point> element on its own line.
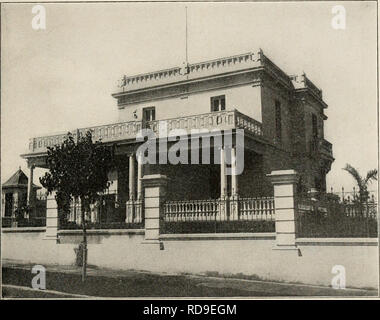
<point>105,133</point>
<point>245,61</point>
<point>134,211</point>
<point>223,62</point>
<point>255,209</point>
<point>241,61</point>
<point>245,209</point>
<point>247,123</point>
<point>150,76</point>
<point>193,210</point>
<point>222,120</point>
<point>214,120</point>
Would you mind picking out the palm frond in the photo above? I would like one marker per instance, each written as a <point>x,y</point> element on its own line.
<point>371,175</point>
<point>355,174</point>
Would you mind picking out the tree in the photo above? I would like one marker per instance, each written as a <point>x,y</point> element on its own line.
<point>362,182</point>
<point>78,170</point>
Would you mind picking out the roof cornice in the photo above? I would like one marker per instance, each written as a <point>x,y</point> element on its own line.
<point>201,71</point>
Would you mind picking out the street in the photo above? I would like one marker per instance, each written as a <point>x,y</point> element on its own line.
<point>112,283</point>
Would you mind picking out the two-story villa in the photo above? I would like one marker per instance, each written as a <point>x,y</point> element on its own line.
<point>282,117</point>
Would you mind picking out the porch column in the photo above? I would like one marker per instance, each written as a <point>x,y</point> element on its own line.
<point>139,176</point>
<point>223,178</point>
<point>132,191</point>
<point>222,215</point>
<point>234,203</point>
<point>154,194</point>
<point>284,184</point>
<point>30,184</point>
<point>138,203</point>
<point>51,218</point>
<point>234,177</point>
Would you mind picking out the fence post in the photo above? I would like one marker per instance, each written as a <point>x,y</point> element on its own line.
<point>51,218</point>
<point>284,185</point>
<point>154,194</point>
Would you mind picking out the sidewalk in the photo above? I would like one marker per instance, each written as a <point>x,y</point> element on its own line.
<point>133,283</point>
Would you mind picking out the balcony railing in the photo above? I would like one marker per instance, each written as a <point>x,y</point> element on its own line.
<point>326,147</point>
<point>222,120</point>
<point>107,133</point>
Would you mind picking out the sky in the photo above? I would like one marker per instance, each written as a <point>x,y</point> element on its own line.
<point>61,78</point>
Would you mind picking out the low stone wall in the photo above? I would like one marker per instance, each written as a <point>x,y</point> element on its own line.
<point>249,254</point>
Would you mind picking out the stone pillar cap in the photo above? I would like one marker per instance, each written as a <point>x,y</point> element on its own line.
<point>283,176</point>
<point>154,179</point>
<point>154,176</point>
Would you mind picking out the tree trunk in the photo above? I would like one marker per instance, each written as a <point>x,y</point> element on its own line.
<point>84,256</point>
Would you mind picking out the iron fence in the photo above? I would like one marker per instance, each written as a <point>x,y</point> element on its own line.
<point>26,216</point>
<point>20,222</point>
<point>335,218</point>
<point>107,213</point>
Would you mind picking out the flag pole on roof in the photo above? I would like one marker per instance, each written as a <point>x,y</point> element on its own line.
<point>185,64</point>
<point>187,61</point>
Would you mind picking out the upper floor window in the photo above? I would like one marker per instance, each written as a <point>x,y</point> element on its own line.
<point>149,114</point>
<point>314,123</point>
<point>277,105</point>
<point>218,103</point>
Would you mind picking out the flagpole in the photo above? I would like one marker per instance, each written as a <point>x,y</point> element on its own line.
<point>186,37</point>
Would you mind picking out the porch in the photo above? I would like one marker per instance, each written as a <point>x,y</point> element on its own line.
<point>121,207</point>
<point>199,198</point>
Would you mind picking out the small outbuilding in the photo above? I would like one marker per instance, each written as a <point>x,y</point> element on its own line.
<point>14,194</point>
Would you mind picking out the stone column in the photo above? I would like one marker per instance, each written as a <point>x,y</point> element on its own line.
<point>234,177</point>
<point>51,218</point>
<point>284,184</point>
<point>131,215</point>
<point>139,176</point>
<point>132,191</point>
<point>30,184</point>
<point>223,178</point>
<point>234,204</point>
<point>155,186</point>
<point>223,186</point>
<point>139,202</point>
